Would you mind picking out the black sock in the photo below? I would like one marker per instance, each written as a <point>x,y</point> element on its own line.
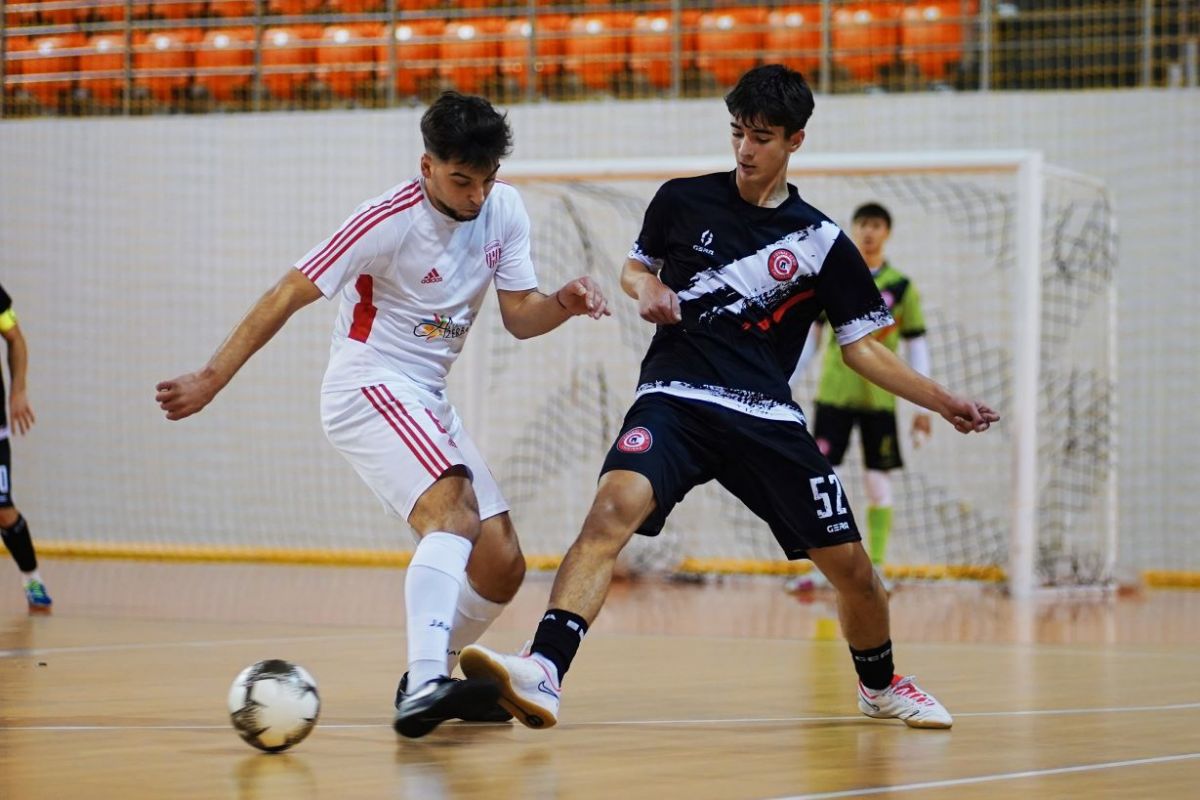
<point>558,637</point>
<point>874,666</point>
<point>17,540</point>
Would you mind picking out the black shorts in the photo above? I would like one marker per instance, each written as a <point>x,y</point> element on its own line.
<point>5,474</point>
<point>774,467</point>
<point>880,444</point>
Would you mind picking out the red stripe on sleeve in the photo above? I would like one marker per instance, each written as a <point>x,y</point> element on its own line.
<point>354,230</point>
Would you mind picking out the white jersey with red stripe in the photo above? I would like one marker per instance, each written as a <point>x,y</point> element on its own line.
<point>412,280</point>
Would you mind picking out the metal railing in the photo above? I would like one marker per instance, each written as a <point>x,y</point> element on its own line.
<point>121,56</point>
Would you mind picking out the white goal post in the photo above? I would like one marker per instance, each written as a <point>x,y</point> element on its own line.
<point>1031,208</point>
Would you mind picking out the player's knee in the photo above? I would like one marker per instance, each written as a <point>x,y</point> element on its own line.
<point>511,572</point>
<point>9,516</point>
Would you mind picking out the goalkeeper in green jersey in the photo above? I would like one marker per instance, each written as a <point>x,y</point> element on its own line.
<point>846,399</point>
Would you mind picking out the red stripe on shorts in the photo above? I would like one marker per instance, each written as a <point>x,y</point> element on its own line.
<point>414,424</point>
<point>402,431</point>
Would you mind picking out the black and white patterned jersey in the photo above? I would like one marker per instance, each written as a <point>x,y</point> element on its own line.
<point>750,282</point>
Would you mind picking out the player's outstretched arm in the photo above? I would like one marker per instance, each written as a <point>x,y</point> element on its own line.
<point>656,302</point>
<point>18,364</point>
<point>531,313</point>
<point>885,369</point>
<point>183,396</point>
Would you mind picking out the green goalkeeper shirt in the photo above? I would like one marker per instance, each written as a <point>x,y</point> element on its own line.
<point>842,386</point>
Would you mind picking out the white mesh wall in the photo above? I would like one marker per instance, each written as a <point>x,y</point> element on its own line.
<point>132,246</point>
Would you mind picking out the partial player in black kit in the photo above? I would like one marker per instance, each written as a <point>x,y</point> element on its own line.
<point>13,527</point>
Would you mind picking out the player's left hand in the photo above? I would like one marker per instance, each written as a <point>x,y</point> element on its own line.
<point>922,429</point>
<point>583,296</point>
<point>22,414</point>
<point>969,416</point>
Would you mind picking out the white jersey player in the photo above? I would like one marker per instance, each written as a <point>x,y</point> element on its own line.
<point>411,268</point>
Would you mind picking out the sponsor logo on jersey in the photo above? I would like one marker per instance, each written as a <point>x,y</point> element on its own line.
<point>432,276</point>
<point>636,440</point>
<point>440,328</point>
<point>782,264</point>
<point>706,239</point>
<point>491,253</point>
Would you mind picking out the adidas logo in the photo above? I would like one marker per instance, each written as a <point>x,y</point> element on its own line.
<point>432,277</point>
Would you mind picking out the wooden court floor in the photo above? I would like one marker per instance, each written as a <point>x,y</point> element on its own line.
<point>725,690</point>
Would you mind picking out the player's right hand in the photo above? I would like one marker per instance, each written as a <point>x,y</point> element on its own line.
<point>657,303</point>
<point>968,416</point>
<point>183,396</point>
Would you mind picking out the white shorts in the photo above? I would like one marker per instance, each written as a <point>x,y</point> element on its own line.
<point>400,438</point>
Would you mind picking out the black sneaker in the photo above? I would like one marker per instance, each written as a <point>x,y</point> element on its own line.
<point>439,700</point>
<point>494,713</point>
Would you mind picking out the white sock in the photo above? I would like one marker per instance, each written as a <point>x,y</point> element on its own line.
<point>437,570</point>
<point>31,576</point>
<point>474,614</point>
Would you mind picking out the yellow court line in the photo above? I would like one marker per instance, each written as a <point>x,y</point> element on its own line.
<point>139,551</point>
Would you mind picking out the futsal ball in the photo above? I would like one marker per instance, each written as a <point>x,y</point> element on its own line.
<point>273,704</point>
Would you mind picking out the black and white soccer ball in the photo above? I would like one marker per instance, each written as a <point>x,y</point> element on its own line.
<point>274,704</point>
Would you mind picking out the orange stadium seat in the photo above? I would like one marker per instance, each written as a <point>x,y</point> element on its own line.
<point>114,11</point>
<point>729,42</point>
<point>932,34</point>
<point>597,48</point>
<point>514,48</point>
<point>651,44</point>
<point>293,8</point>
<point>50,60</point>
<point>416,53</point>
<point>17,19</point>
<point>60,16</point>
<point>177,10</point>
<point>470,53</point>
<point>13,65</point>
<point>794,37</point>
<point>357,6</point>
<point>285,54</point>
<point>105,53</point>
<point>865,37</point>
<point>346,57</point>
<point>231,8</point>
<point>231,50</point>
<point>170,52</point>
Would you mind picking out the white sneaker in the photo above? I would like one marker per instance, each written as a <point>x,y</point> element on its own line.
<point>528,687</point>
<point>906,701</point>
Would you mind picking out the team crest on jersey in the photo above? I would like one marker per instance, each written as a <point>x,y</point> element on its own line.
<point>440,328</point>
<point>635,440</point>
<point>491,253</point>
<point>782,264</point>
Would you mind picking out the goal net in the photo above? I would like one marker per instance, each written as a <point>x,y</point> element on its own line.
<point>1014,261</point>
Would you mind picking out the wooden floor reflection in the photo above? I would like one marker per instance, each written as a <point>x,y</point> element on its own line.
<point>724,690</point>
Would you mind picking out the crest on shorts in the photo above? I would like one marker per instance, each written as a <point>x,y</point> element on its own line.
<point>782,264</point>
<point>635,440</point>
<point>491,253</point>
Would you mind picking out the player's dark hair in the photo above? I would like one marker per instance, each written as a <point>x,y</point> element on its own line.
<point>465,128</point>
<point>772,94</point>
<point>872,211</point>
